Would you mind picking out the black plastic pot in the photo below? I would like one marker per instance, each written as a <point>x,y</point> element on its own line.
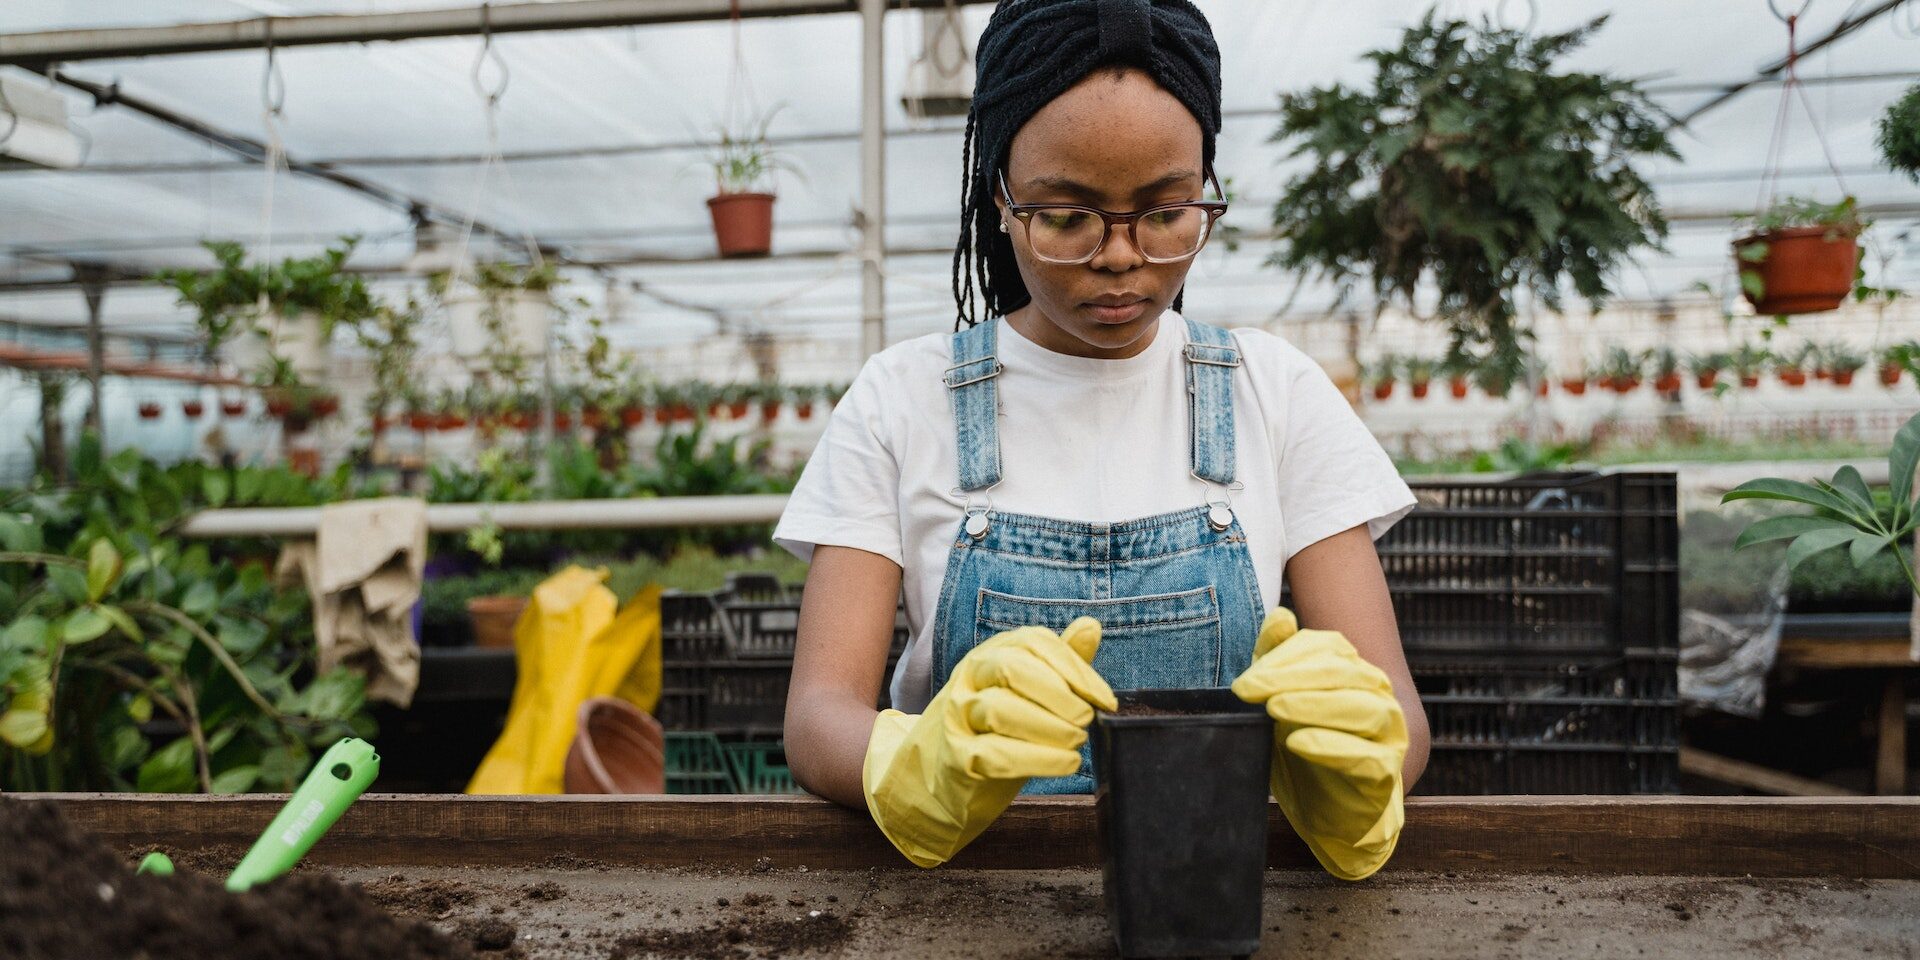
<point>1181,803</point>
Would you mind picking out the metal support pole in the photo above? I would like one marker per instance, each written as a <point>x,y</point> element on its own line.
<point>93,286</point>
<point>635,514</point>
<point>873,182</point>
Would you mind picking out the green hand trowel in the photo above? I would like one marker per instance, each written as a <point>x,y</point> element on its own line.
<point>342,774</point>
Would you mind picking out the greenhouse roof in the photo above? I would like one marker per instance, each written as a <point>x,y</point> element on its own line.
<point>601,132</point>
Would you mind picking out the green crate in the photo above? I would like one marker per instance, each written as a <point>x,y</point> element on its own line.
<point>696,764</point>
<point>754,769</point>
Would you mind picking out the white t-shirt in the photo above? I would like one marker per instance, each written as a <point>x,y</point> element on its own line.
<point>1085,440</point>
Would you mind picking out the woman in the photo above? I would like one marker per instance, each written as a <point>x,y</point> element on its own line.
<point>1088,492</point>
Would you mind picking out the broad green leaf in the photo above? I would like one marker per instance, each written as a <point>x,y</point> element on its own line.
<point>83,625</point>
<point>26,633</point>
<point>215,486</point>
<point>140,708</point>
<point>1793,491</point>
<point>247,484</point>
<point>22,728</point>
<point>1782,528</point>
<point>1904,459</point>
<point>1848,483</point>
<point>125,748</point>
<point>282,766</point>
<point>1817,541</point>
<point>1865,546</point>
<point>168,770</point>
<point>236,780</point>
<point>200,599</point>
<point>242,637</point>
<point>220,738</point>
<point>18,535</point>
<point>121,621</point>
<point>103,568</point>
<point>334,695</point>
<point>68,584</point>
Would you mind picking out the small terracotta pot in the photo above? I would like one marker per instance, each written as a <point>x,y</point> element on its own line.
<point>1889,375</point>
<point>593,418</point>
<point>738,409</point>
<point>1383,390</point>
<point>279,406</point>
<point>1706,379</point>
<point>742,223</point>
<point>233,408</point>
<point>1806,269</point>
<point>1419,388</point>
<point>662,415</point>
<point>149,411</point>
<point>326,406</point>
<point>631,417</point>
<point>449,421</point>
<point>1822,373</point>
<point>1843,378</point>
<point>1458,387</point>
<point>1543,387</point>
<point>616,750</point>
<point>1668,383</point>
<point>562,422</point>
<point>803,410</point>
<point>193,408</point>
<point>1793,377</point>
<point>1574,386</point>
<point>493,620</point>
<point>1749,380</point>
<point>420,422</point>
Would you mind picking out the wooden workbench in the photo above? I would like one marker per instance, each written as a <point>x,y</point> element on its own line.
<point>1878,648</point>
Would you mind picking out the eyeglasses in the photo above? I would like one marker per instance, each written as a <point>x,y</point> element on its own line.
<point>1070,233</point>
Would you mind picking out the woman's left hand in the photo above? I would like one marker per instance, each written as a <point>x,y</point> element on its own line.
<point>1339,741</point>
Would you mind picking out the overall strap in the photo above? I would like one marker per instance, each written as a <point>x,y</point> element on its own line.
<point>976,404</point>
<point>1211,359</point>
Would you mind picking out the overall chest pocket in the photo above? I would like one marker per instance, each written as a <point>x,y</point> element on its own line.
<point>1167,640</point>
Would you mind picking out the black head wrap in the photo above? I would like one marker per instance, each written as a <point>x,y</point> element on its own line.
<point>1030,53</point>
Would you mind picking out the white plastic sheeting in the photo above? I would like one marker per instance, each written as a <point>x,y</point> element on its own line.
<point>616,116</point>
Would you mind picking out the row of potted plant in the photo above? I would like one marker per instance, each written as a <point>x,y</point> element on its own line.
<point>1622,370</point>
<point>602,408</point>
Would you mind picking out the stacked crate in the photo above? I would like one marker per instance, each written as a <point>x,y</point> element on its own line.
<point>1540,616</point>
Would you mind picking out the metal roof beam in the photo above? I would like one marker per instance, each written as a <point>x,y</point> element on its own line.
<point>36,51</point>
<point>1768,72</point>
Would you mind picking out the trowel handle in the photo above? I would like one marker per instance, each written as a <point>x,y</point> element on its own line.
<point>338,779</point>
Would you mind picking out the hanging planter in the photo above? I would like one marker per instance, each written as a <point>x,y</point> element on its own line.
<point>149,409</point>
<point>1574,386</point>
<point>501,318</point>
<point>1897,359</point>
<point>419,421</point>
<point>192,408</point>
<point>632,416</point>
<point>1382,374</point>
<point>234,408</point>
<point>1706,368</point>
<point>305,302</point>
<point>742,223</point>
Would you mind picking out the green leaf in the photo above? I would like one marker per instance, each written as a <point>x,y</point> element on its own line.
<point>140,708</point>
<point>68,584</point>
<point>125,748</point>
<point>1865,546</point>
<point>18,535</point>
<point>334,695</point>
<point>1783,528</point>
<point>1904,459</point>
<point>103,568</point>
<point>215,486</point>
<point>21,728</point>
<point>1848,482</point>
<point>1752,285</point>
<point>84,625</point>
<point>121,621</point>
<point>242,637</point>
<point>1817,541</point>
<point>27,633</point>
<point>200,599</point>
<point>236,780</point>
<point>168,770</point>
<point>1793,491</point>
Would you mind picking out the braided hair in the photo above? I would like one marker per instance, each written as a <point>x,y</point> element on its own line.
<point>1030,53</point>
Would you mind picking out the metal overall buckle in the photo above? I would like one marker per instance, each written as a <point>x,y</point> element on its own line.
<point>1219,502</point>
<point>977,523</point>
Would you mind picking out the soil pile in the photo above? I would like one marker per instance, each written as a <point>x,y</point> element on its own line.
<point>66,896</point>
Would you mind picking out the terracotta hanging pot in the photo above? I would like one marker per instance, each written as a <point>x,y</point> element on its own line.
<point>278,405</point>
<point>1543,388</point>
<point>1458,387</point>
<point>420,421</point>
<point>742,223</point>
<point>803,410</point>
<point>1383,390</point>
<point>1804,269</point>
<point>1749,380</point>
<point>631,417</point>
<point>1890,375</point>
<point>663,415</point>
<point>1793,376</point>
<point>738,409</point>
<point>1419,388</point>
<point>192,408</point>
<point>1842,378</point>
<point>233,408</point>
<point>593,418</point>
<point>1667,383</point>
<point>149,410</point>
<point>1574,386</point>
<point>769,412</point>
<point>326,405</point>
<point>1706,378</point>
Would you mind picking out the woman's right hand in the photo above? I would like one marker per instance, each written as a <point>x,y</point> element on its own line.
<point>1016,707</point>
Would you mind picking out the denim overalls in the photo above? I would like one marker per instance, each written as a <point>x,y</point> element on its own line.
<point>1175,593</point>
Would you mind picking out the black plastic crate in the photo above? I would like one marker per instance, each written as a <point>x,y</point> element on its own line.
<point>1605,727</point>
<point>1547,564</point>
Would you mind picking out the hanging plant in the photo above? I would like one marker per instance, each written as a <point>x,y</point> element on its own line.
<point>233,407</point>
<point>1475,168</point>
<point>1899,138</point>
<point>1791,369</point>
<point>803,396</point>
<point>1380,375</point>
<point>1706,368</point>
<point>193,408</point>
<point>1622,369</point>
<point>1897,359</point>
<point>1457,368</point>
<point>1419,377</point>
<point>1575,384</point>
<point>149,409</point>
<point>1840,362</point>
<point>1666,372</point>
<point>743,162</point>
<point>1748,363</point>
<point>1800,257</point>
<point>307,300</point>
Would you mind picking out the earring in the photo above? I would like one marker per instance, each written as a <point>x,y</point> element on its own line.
<point>1003,226</point>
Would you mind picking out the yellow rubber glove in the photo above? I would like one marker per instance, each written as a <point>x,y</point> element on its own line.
<point>1339,739</point>
<point>1016,707</point>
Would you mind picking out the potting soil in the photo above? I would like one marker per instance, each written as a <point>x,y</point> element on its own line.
<point>66,896</point>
